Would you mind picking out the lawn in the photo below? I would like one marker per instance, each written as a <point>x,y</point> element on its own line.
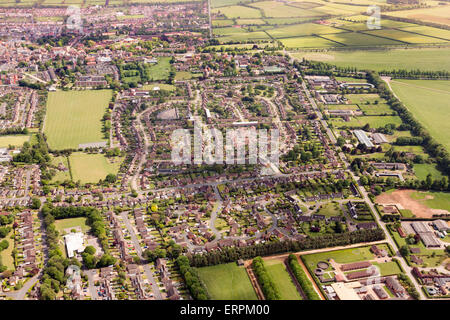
<point>341,256</point>
<point>74,117</point>
<point>388,268</point>
<point>227,282</point>
<point>160,70</point>
<point>62,224</point>
<point>330,210</point>
<point>410,59</point>
<point>7,259</point>
<point>16,140</point>
<point>60,175</point>
<point>428,101</point>
<point>422,170</point>
<point>282,279</point>
<point>90,168</point>
<point>373,121</point>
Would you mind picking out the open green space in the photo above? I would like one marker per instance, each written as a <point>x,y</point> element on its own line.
<point>6,255</point>
<point>71,223</point>
<point>422,170</point>
<point>409,59</point>
<point>428,102</point>
<point>282,279</point>
<point>90,168</point>
<point>227,282</point>
<point>16,140</point>
<point>434,200</point>
<point>74,117</point>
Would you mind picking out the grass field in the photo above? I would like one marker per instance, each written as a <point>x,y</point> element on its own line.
<point>60,175</point>
<point>282,279</point>
<point>62,224</point>
<point>422,170</point>
<point>308,42</point>
<point>90,168</point>
<point>434,200</point>
<point>373,121</point>
<point>404,36</point>
<point>7,259</point>
<point>227,282</point>
<point>242,12</point>
<point>74,117</point>
<point>330,210</point>
<point>428,101</point>
<point>410,59</point>
<point>341,256</point>
<point>16,140</point>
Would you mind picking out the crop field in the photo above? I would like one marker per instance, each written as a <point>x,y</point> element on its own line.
<point>429,31</point>
<point>428,101</point>
<point>273,9</point>
<point>359,39</point>
<point>439,14</point>
<point>303,29</point>
<point>16,140</point>
<point>242,12</point>
<point>74,117</point>
<point>405,36</point>
<point>308,42</point>
<point>286,287</point>
<point>245,36</point>
<point>90,168</point>
<point>227,282</point>
<point>409,59</point>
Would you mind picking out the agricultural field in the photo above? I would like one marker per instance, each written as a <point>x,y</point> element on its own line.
<point>74,117</point>
<point>242,12</point>
<point>90,168</point>
<point>286,287</point>
<point>428,101</point>
<point>308,42</point>
<point>404,36</point>
<point>409,59</point>
<point>372,121</point>
<point>438,14</point>
<point>227,282</point>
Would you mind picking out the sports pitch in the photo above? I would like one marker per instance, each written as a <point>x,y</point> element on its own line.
<point>74,117</point>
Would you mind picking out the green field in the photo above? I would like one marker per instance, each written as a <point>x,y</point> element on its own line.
<point>373,121</point>
<point>62,224</point>
<point>308,42</point>
<point>330,210</point>
<point>16,140</point>
<point>90,168</point>
<point>428,101</point>
<point>282,279</point>
<point>60,176</point>
<point>7,259</point>
<point>74,117</point>
<point>227,282</point>
<point>438,200</point>
<point>410,59</point>
<point>424,169</point>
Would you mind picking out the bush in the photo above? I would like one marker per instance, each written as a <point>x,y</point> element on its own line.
<point>302,278</point>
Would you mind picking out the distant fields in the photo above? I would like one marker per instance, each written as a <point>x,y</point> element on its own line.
<point>428,100</point>
<point>410,59</point>
<point>323,24</point>
<point>439,14</point>
<point>227,282</point>
<point>27,3</point>
<point>90,168</point>
<point>74,117</point>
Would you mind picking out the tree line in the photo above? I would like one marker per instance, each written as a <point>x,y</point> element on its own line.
<point>232,254</point>
<point>265,281</point>
<point>302,278</point>
<point>195,285</point>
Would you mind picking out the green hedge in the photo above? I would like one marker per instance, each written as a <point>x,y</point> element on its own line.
<point>302,278</point>
<point>267,285</point>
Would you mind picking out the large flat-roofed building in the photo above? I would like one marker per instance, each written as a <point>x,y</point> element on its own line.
<point>345,292</point>
<point>419,227</point>
<point>74,243</point>
<point>426,235</point>
<point>441,225</point>
<point>363,138</point>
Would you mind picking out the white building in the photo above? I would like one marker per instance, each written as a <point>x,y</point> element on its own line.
<point>74,243</point>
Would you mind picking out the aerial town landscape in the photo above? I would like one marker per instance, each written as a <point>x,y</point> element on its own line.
<point>100,98</point>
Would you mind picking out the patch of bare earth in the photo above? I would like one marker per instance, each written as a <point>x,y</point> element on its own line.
<point>403,197</point>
